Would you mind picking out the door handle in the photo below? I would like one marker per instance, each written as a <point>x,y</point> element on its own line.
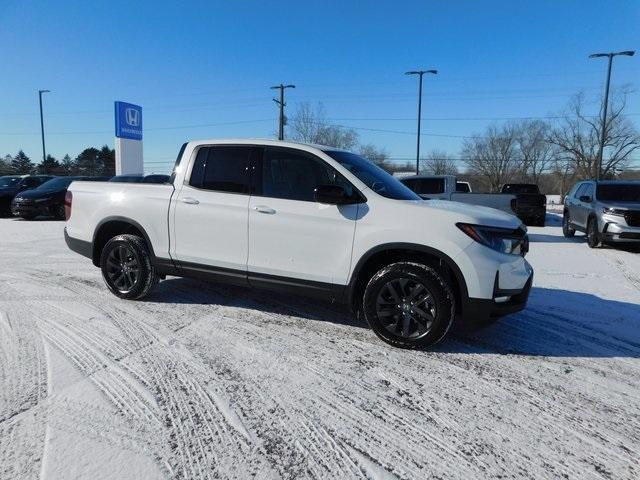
<point>190,200</point>
<point>264,209</point>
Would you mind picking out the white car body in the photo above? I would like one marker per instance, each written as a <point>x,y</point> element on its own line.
<point>280,241</point>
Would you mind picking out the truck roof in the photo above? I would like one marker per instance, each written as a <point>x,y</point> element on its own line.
<point>260,141</point>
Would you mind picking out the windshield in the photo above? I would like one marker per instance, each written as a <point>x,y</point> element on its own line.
<point>57,183</point>
<point>9,181</point>
<point>373,176</point>
<point>626,192</point>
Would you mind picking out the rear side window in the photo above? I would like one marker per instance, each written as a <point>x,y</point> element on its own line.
<point>428,185</point>
<point>222,169</point>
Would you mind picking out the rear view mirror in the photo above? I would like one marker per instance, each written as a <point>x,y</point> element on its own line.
<point>585,198</point>
<point>332,195</point>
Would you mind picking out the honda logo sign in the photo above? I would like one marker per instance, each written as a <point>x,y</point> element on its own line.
<point>128,120</point>
<point>132,117</point>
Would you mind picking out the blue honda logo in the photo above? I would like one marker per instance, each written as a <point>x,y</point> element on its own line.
<point>128,120</point>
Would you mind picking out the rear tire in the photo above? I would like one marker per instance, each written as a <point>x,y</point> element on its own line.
<point>126,267</point>
<point>593,236</point>
<point>409,305</point>
<point>567,231</point>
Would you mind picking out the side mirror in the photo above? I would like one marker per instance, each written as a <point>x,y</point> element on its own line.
<point>585,198</point>
<point>332,195</point>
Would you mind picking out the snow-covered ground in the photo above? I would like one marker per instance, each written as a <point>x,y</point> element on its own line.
<point>203,381</point>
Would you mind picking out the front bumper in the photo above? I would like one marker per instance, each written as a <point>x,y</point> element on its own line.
<point>497,284</point>
<point>30,209</point>
<point>615,232</point>
<point>479,311</point>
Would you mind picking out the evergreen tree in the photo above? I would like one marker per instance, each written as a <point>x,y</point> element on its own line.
<point>107,158</point>
<point>22,164</point>
<point>5,165</point>
<point>49,166</point>
<point>88,162</point>
<point>67,165</point>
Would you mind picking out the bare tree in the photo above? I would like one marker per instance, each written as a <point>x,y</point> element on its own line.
<point>438,162</point>
<point>375,155</point>
<point>535,151</point>
<point>493,156</point>
<point>310,125</point>
<point>578,137</point>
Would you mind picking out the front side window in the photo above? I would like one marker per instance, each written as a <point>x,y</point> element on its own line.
<point>223,169</point>
<point>373,176</point>
<point>581,191</point>
<point>293,175</point>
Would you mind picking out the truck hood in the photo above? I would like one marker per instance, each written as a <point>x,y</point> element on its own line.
<point>474,214</point>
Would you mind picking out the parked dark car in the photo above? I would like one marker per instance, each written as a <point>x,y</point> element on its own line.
<point>156,178</point>
<point>47,199</point>
<point>531,206</point>
<point>127,178</point>
<point>11,185</point>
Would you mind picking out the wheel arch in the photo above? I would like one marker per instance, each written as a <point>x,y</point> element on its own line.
<point>110,227</point>
<point>381,255</point>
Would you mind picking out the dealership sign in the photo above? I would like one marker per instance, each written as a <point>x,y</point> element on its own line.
<point>128,120</point>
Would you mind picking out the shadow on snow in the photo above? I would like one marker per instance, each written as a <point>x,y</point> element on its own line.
<point>556,323</point>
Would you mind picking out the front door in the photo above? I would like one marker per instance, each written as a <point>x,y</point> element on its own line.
<point>290,235</point>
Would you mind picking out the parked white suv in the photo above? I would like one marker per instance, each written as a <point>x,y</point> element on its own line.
<point>308,219</point>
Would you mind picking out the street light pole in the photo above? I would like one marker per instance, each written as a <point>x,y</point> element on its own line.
<point>603,133</point>
<point>44,151</point>
<point>420,73</point>
<point>282,104</point>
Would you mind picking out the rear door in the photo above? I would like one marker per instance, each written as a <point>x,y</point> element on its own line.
<point>211,210</point>
<point>292,238</point>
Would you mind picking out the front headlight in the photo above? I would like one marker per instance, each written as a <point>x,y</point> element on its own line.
<point>40,200</point>
<point>501,240</point>
<point>614,211</point>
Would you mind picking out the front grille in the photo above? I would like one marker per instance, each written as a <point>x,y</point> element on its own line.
<point>633,218</point>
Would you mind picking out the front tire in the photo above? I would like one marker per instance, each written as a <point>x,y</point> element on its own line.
<point>126,267</point>
<point>409,305</point>
<point>593,236</point>
<point>567,231</point>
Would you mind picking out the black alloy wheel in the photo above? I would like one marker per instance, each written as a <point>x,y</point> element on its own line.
<point>567,230</point>
<point>409,305</point>
<point>593,236</point>
<point>406,308</point>
<point>123,268</point>
<point>127,268</point>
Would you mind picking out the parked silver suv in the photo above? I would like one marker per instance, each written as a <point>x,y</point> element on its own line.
<point>607,211</point>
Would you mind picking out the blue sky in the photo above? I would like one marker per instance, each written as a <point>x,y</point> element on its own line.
<point>202,69</point>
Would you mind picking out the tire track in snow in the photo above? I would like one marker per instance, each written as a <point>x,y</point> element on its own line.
<point>23,390</point>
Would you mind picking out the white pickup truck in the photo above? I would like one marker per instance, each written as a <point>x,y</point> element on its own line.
<point>447,187</point>
<point>306,219</point>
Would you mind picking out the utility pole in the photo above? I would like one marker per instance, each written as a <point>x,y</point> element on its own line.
<point>44,151</point>
<point>281,104</point>
<point>603,136</point>
<point>420,73</point>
